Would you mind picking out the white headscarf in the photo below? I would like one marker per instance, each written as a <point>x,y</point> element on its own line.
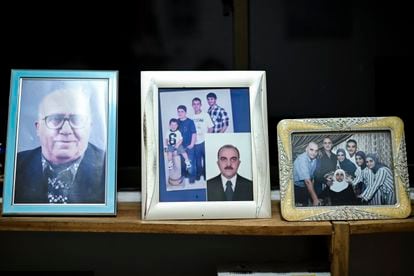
<point>339,186</point>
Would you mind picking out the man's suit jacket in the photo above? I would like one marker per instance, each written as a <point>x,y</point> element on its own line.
<point>243,190</point>
<point>88,187</point>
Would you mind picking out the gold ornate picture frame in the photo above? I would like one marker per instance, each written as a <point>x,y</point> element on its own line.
<point>343,169</point>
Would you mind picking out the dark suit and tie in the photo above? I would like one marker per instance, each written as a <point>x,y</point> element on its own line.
<point>229,185</point>
<point>88,187</point>
<point>243,190</point>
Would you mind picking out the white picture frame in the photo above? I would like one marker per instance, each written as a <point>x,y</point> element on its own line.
<point>250,86</point>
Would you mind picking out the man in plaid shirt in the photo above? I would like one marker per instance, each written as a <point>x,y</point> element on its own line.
<point>218,115</point>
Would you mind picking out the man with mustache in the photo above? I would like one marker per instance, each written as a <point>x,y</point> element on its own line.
<point>229,185</point>
<point>66,168</point>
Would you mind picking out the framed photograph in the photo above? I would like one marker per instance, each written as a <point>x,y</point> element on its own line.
<point>343,169</point>
<point>61,143</point>
<point>204,145</point>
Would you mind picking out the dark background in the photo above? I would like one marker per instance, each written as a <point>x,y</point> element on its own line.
<point>322,58</point>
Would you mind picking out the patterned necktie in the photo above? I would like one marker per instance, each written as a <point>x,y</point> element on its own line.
<point>59,185</point>
<point>229,191</point>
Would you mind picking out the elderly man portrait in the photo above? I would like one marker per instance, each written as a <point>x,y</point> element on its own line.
<point>66,167</point>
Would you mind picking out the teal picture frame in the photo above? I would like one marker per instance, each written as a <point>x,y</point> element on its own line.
<point>91,189</point>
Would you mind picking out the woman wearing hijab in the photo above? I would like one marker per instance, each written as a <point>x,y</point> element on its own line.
<point>343,163</point>
<point>383,183</point>
<point>340,189</point>
<point>363,175</point>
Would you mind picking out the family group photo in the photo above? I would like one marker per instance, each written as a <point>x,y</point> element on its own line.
<point>337,169</point>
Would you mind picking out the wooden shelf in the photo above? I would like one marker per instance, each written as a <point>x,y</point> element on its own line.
<point>128,220</point>
<point>382,226</point>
